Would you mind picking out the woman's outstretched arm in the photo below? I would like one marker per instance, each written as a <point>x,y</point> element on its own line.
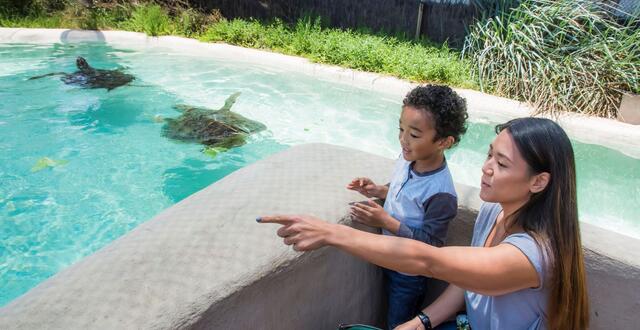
<point>490,271</point>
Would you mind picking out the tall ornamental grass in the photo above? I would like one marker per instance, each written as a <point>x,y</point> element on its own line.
<point>558,55</point>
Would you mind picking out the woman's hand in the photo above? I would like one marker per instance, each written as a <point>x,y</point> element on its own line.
<point>366,187</point>
<point>413,324</point>
<point>304,232</point>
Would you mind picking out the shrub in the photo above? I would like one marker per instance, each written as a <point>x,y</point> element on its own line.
<point>150,19</point>
<point>190,22</point>
<point>352,49</point>
<point>31,7</point>
<point>559,55</point>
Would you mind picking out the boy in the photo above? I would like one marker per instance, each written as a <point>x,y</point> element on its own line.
<point>420,200</point>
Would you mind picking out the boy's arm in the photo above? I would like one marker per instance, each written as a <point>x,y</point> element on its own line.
<point>440,209</point>
<point>383,191</point>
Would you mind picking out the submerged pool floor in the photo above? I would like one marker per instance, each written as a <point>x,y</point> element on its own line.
<point>81,167</point>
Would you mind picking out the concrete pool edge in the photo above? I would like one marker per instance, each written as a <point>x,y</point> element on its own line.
<point>610,133</point>
<point>204,262</point>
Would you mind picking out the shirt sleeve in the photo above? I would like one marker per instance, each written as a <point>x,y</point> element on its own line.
<point>528,246</point>
<point>440,209</point>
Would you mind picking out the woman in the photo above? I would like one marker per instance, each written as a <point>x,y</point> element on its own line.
<point>525,268</point>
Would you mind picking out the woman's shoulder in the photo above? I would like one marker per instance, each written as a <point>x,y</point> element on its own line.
<point>484,222</point>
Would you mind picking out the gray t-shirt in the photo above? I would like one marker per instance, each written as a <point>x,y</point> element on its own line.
<point>523,309</point>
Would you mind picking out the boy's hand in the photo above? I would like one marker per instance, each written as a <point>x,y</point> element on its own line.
<point>367,188</point>
<point>370,213</point>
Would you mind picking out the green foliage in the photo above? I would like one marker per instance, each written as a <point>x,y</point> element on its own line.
<point>190,22</point>
<point>73,15</point>
<point>31,7</point>
<point>113,15</point>
<point>213,152</point>
<point>47,22</point>
<point>353,49</point>
<point>562,55</point>
<point>46,162</point>
<point>150,19</point>
<point>491,8</point>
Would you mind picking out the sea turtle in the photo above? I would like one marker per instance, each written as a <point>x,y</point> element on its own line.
<point>88,77</point>
<point>217,129</point>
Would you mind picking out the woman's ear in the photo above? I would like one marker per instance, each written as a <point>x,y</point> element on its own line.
<point>539,182</point>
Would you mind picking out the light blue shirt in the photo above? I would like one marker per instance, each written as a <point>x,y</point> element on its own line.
<point>423,203</point>
<point>523,309</point>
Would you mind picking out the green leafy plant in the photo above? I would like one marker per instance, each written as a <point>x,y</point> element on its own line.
<point>191,22</point>
<point>46,162</point>
<point>150,19</point>
<point>213,152</point>
<point>418,61</point>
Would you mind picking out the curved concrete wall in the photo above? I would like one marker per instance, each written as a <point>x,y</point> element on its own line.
<point>206,263</point>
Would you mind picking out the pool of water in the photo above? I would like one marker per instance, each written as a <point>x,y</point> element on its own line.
<point>113,169</point>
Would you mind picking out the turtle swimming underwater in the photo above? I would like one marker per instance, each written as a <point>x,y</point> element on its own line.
<point>213,128</point>
<point>88,77</point>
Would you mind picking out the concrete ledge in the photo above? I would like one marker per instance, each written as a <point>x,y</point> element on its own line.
<point>204,262</point>
<point>482,107</point>
<point>178,269</point>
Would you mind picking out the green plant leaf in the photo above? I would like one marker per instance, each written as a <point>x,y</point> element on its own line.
<point>46,162</point>
<point>213,151</point>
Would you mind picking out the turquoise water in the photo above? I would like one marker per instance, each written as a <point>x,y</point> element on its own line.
<point>116,170</point>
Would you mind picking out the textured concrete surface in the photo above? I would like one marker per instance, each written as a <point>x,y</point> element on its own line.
<point>206,263</point>
<point>178,269</point>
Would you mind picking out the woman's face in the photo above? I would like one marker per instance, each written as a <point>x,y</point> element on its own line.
<point>506,178</point>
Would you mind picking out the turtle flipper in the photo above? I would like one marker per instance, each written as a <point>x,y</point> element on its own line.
<point>47,75</point>
<point>230,101</point>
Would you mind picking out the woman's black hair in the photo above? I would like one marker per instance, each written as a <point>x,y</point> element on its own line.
<point>551,217</point>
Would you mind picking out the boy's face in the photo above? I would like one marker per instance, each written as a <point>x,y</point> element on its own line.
<point>417,134</point>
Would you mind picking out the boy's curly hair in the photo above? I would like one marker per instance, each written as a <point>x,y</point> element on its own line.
<point>448,109</point>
